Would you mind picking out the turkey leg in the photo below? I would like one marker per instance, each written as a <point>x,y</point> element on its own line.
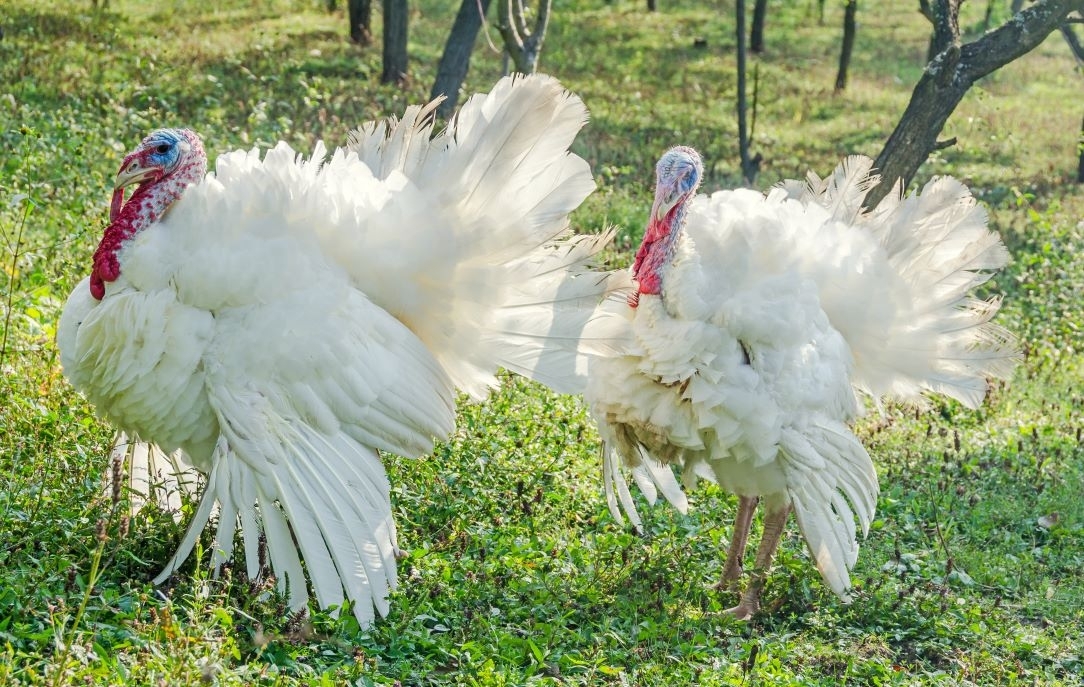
<point>739,538</point>
<point>774,522</point>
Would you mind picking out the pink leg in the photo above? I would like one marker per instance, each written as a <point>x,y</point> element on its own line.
<point>774,522</point>
<point>739,538</point>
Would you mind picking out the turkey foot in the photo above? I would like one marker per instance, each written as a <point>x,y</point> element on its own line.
<point>739,538</point>
<point>769,543</point>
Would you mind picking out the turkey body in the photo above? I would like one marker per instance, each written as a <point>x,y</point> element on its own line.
<point>284,319</point>
<point>772,313</point>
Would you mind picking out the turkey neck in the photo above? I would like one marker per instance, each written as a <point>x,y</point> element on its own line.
<point>659,246</point>
<point>146,206</point>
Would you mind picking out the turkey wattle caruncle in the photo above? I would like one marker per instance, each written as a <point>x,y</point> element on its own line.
<point>756,320</point>
<point>283,320</point>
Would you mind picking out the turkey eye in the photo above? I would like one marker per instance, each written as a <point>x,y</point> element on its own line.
<point>162,149</point>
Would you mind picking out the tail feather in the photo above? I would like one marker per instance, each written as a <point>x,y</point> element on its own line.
<point>926,333</point>
<point>393,144</point>
<point>318,498</point>
<point>500,183</point>
<point>617,490</point>
<point>831,481</point>
<point>651,476</point>
<point>154,476</point>
<point>842,193</point>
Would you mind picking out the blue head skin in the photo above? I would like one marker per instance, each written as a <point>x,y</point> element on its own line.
<point>678,174</point>
<point>155,157</point>
<point>163,165</point>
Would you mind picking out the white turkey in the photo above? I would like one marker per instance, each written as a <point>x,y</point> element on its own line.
<point>756,320</point>
<point>283,320</point>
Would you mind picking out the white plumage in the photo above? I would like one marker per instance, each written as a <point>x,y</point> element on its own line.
<point>758,318</point>
<point>288,318</point>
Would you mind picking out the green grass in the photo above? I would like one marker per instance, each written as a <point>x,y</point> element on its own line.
<point>516,572</point>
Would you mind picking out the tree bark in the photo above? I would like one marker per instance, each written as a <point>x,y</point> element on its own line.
<point>455,61</point>
<point>396,15</point>
<point>949,76</point>
<point>651,6</point>
<point>848,44</point>
<point>756,32</point>
<point>360,16</point>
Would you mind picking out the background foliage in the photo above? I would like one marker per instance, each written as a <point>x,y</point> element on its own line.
<point>516,573</point>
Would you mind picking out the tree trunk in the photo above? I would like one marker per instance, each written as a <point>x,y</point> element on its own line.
<point>948,77</point>
<point>455,61</point>
<point>651,7</point>
<point>848,44</point>
<point>396,14</point>
<point>360,15</point>
<point>1074,43</point>
<point>1080,149</point>
<point>522,43</point>
<point>756,32</point>
<point>945,17</point>
<point>749,165</point>
<point>989,14</point>
<point>1078,52</point>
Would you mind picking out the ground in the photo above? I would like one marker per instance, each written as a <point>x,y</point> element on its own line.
<point>516,573</point>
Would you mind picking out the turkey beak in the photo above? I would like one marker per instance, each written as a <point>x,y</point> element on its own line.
<point>666,203</point>
<point>132,171</point>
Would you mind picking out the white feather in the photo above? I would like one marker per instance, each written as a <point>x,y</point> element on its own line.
<point>154,476</point>
<point>775,309</point>
<point>291,316</point>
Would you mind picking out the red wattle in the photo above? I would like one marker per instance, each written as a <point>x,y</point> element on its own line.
<point>106,265</point>
<point>97,286</point>
<point>650,284</point>
<point>649,258</point>
<point>116,204</point>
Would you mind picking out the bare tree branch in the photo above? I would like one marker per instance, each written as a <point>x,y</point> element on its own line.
<point>522,44</point>
<point>946,25</point>
<point>947,79</point>
<point>520,15</point>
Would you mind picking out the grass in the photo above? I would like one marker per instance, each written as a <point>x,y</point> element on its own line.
<point>516,573</point>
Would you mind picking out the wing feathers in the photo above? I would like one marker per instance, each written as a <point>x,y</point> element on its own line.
<point>824,463</point>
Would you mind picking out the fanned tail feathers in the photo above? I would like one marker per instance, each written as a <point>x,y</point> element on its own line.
<point>393,144</point>
<point>930,334</point>
<point>510,286</point>
<point>842,193</point>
